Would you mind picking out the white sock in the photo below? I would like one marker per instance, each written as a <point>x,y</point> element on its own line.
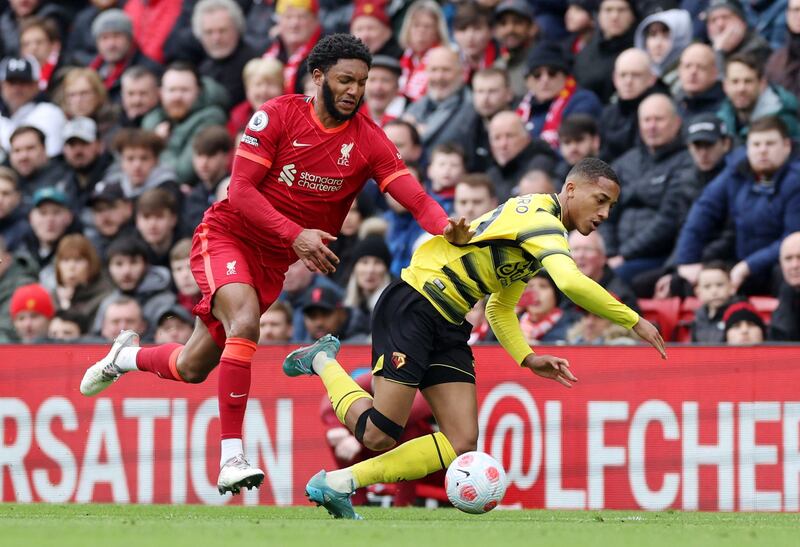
<point>126,359</point>
<point>320,361</point>
<point>341,480</point>
<point>230,449</point>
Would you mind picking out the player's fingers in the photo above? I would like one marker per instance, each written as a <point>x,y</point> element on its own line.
<point>330,255</point>
<point>328,264</point>
<point>565,371</point>
<point>563,381</point>
<point>310,266</point>
<point>325,235</point>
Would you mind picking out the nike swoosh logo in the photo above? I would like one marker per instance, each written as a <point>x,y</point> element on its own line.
<point>237,396</point>
<point>467,473</point>
<point>299,144</point>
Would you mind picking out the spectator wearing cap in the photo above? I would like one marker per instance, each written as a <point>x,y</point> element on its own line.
<point>13,217</point>
<point>188,104</point>
<point>174,324</point>
<point>743,325</point>
<point>298,31</point>
<point>50,219</point>
<point>616,25</point>
<point>15,271</point>
<point>472,31</point>
<point>134,277</point>
<point>116,50</point>
<point>28,158</point>
<point>110,216</point>
<point>75,279</point>
<point>663,36</point>
<point>749,97</point>
<point>633,81</point>
<point>17,12</point>
<point>382,93</point>
<point>656,175</point>
<point>40,39</point>
<point>516,31</point>
<point>219,26</point>
<point>783,66</point>
<point>22,104</point>
<point>729,33</point>
<point>324,313</point>
<point>153,22</point>
<point>445,112</point>
<point>424,29</point>
<point>553,94</point>
<point>491,93</point>
<point>212,155</point>
<point>760,196</point>
<point>263,80</point>
<point>579,22</point>
<point>31,310</point>
<point>370,275</point>
<point>371,24</point>
<point>297,287</point>
<point>514,153</point>
<point>785,323</point>
<point>79,47</point>
<point>85,158</point>
<point>700,90</point>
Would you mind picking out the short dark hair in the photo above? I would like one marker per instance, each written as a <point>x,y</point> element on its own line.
<point>575,127</point>
<point>71,316</point>
<point>416,140</point>
<point>770,123</point>
<point>716,265</point>
<point>129,246</point>
<point>333,47</point>
<point>183,66</point>
<point>133,137</point>
<point>212,140</point>
<point>470,14</point>
<point>747,59</point>
<point>449,148</point>
<point>154,200</point>
<point>137,72</point>
<point>22,129</point>
<point>479,180</point>
<point>591,169</point>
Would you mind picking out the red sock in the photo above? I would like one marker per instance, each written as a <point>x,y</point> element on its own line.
<point>161,360</point>
<point>234,385</point>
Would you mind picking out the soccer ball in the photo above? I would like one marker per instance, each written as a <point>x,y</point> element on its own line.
<point>475,483</point>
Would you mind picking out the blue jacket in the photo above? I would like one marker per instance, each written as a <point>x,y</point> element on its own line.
<point>403,233</point>
<point>762,215</point>
<point>582,101</point>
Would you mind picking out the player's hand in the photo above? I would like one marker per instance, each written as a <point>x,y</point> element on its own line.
<point>348,448</point>
<point>649,333</point>
<point>547,366</point>
<point>310,247</point>
<point>458,232</point>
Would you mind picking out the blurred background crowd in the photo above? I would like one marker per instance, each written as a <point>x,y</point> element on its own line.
<point>118,122</point>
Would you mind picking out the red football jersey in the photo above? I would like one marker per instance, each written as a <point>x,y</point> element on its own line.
<point>311,174</point>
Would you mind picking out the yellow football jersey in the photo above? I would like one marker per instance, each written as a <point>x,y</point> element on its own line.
<point>511,243</point>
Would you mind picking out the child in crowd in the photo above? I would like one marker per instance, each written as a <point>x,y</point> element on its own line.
<point>743,325</point>
<point>716,293</point>
<point>446,168</point>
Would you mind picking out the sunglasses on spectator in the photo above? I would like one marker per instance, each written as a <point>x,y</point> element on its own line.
<point>539,72</point>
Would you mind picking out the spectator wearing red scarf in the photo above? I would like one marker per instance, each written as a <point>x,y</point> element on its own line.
<point>298,30</point>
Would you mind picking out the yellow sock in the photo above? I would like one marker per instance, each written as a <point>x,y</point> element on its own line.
<point>343,391</point>
<point>409,461</point>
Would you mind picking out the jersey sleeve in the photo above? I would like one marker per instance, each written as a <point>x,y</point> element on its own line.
<point>259,142</point>
<point>585,292</point>
<point>504,322</point>
<point>544,236</point>
<point>386,162</point>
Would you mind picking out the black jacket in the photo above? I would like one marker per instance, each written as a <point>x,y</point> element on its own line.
<point>785,324</point>
<point>594,64</point>
<point>537,155</point>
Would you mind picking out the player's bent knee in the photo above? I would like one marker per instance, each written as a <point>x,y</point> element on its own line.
<point>244,326</point>
<point>376,440</point>
<point>193,376</point>
<point>462,445</point>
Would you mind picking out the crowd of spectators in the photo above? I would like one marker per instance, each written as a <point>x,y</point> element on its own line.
<point>119,120</point>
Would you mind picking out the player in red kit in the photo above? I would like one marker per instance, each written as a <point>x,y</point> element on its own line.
<point>299,166</point>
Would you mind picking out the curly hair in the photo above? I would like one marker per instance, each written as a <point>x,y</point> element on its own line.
<point>333,47</point>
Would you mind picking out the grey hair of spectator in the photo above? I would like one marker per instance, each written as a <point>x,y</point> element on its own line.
<point>207,6</point>
<point>137,72</point>
<point>431,7</point>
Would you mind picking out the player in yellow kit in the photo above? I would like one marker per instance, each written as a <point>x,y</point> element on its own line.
<point>420,336</point>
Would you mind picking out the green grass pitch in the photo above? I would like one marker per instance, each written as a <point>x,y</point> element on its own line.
<point>197,526</point>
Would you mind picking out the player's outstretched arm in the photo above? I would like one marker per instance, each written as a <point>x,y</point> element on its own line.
<point>504,322</point>
<point>548,366</point>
